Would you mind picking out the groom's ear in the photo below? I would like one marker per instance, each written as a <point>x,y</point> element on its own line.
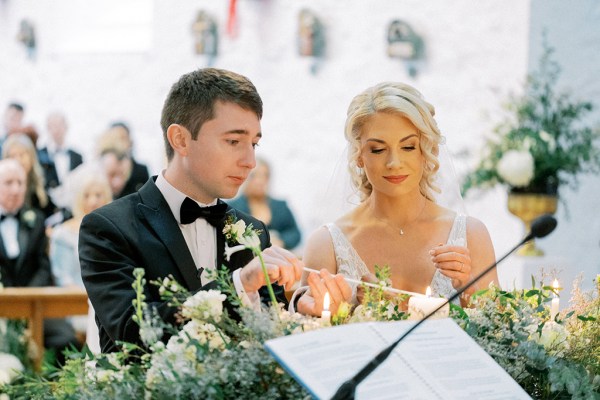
<point>179,137</point>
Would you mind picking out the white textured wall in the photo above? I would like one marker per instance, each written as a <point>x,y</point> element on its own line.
<point>477,52</point>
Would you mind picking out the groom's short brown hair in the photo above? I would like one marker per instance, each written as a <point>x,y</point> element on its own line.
<point>191,100</point>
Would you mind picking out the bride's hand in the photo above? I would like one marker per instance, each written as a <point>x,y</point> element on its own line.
<point>324,282</point>
<point>453,262</point>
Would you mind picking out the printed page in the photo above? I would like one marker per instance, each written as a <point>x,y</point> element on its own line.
<point>452,363</point>
<point>322,360</point>
<point>436,361</point>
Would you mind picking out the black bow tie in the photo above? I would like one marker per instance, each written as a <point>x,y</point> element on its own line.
<point>4,216</point>
<point>190,211</point>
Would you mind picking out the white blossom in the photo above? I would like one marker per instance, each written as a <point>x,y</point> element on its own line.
<point>516,167</point>
<point>10,367</point>
<point>204,305</point>
<point>546,137</point>
<point>250,240</point>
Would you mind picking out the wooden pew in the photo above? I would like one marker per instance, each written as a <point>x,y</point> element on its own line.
<point>37,303</point>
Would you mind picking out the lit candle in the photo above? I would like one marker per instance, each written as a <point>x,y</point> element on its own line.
<point>419,307</point>
<point>555,301</point>
<point>326,314</point>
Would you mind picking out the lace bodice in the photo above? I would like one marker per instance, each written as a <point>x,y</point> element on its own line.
<point>352,266</point>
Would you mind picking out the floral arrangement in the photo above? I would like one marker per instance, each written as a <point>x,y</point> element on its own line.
<point>543,141</point>
<point>212,355</point>
<point>550,359</point>
<point>15,350</point>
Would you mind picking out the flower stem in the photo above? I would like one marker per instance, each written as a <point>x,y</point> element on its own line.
<point>267,280</point>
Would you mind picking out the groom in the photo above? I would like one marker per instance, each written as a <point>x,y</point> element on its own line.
<point>174,223</point>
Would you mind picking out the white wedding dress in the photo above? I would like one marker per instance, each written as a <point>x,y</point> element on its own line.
<point>352,266</point>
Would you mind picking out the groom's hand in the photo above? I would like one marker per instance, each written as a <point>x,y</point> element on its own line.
<point>283,267</point>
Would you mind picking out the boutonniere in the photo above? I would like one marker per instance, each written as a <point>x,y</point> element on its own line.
<point>29,217</point>
<point>243,236</point>
<point>239,236</point>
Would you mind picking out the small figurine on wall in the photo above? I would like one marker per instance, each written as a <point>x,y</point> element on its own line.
<point>206,36</point>
<point>405,44</point>
<point>311,37</point>
<point>26,36</point>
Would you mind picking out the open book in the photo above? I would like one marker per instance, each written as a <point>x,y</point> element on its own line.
<point>436,361</point>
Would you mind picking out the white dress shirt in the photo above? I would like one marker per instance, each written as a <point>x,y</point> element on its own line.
<point>62,162</point>
<point>9,229</point>
<point>201,240</point>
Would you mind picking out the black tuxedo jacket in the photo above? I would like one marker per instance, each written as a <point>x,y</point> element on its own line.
<point>140,231</point>
<point>32,266</point>
<point>50,174</point>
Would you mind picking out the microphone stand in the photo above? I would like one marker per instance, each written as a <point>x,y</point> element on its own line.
<point>347,390</point>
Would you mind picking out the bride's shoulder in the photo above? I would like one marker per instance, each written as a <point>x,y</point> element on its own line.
<point>319,249</point>
<point>476,227</point>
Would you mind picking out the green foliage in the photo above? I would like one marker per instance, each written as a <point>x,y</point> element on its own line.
<point>550,125</point>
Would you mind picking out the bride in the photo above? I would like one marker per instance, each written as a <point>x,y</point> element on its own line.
<point>394,144</point>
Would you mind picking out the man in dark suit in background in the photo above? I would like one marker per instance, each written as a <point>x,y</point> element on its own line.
<point>56,159</point>
<point>211,125</point>
<point>23,245</point>
<point>139,172</point>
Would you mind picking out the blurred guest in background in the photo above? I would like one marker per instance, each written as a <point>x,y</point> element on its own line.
<point>139,172</point>
<point>275,213</point>
<point>14,123</point>
<point>19,147</point>
<point>56,158</point>
<point>90,190</point>
<point>13,119</point>
<point>23,243</point>
<point>124,174</point>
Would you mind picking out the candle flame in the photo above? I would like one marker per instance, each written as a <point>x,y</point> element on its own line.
<point>555,284</point>
<point>428,292</point>
<point>326,302</point>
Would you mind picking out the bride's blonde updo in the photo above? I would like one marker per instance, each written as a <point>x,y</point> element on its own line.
<point>399,99</point>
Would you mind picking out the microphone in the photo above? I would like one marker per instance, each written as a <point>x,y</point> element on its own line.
<point>540,227</point>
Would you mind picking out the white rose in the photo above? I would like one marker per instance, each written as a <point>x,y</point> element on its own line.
<point>516,167</point>
<point>238,228</point>
<point>11,367</point>
<point>552,336</point>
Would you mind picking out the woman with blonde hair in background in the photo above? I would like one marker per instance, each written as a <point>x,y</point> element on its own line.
<point>90,190</point>
<point>20,147</point>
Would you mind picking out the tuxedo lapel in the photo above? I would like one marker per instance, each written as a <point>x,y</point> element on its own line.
<point>156,211</point>
<point>3,254</point>
<point>23,237</point>
<point>221,260</point>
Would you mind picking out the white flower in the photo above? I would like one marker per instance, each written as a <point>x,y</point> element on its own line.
<point>204,333</point>
<point>250,240</point>
<point>204,305</point>
<point>516,167</point>
<point>29,218</point>
<point>238,228</point>
<point>10,367</point>
<point>552,336</point>
<point>546,137</point>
